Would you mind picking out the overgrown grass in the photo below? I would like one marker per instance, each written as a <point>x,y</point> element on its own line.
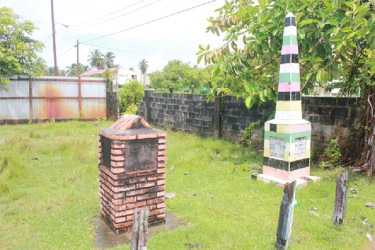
<point>49,195</point>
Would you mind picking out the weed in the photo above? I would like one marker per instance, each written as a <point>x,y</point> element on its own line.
<point>35,135</point>
<point>246,139</point>
<point>4,165</point>
<point>4,189</point>
<point>333,152</point>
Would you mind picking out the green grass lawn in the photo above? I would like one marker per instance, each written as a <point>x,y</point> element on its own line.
<point>49,195</point>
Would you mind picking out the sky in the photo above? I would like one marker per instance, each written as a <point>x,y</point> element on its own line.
<point>94,22</point>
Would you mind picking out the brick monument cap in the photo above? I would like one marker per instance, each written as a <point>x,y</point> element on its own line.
<point>129,127</point>
<point>130,122</point>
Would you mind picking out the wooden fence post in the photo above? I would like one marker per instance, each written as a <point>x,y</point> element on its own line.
<point>140,230</point>
<point>112,105</point>
<point>284,227</point>
<point>79,83</point>
<point>340,199</point>
<point>30,99</point>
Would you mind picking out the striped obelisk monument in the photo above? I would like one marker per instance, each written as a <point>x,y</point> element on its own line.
<point>287,138</point>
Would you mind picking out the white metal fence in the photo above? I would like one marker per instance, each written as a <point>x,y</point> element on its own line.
<point>59,98</point>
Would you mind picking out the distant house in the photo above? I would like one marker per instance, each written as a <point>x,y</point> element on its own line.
<point>120,76</point>
<point>331,88</point>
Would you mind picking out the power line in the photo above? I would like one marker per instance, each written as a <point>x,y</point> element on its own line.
<point>109,14</point>
<point>102,47</point>
<point>152,21</point>
<point>67,50</point>
<point>125,51</point>
<point>112,18</point>
<point>45,38</point>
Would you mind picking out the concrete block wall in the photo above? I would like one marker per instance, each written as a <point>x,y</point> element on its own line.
<point>183,112</point>
<point>236,117</point>
<point>333,118</point>
<point>227,117</point>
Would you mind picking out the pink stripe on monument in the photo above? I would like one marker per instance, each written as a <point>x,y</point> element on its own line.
<point>286,87</point>
<point>289,49</point>
<point>300,128</point>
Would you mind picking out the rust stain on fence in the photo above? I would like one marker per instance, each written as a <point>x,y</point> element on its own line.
<point>50,91</point>
<point>52,107</point>
<point>55,109</point>
<point>93,109</point>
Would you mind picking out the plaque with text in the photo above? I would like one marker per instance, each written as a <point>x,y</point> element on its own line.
<point>141,155</point>
<point>300,148</point>
<point>106,151</point>
<point>277,147</point>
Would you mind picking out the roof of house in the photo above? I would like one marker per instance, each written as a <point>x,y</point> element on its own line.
<point>96,71</point>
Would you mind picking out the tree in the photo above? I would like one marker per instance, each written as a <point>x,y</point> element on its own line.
<point>219,84</point>
<point>18,51</point>
<point>109,58</point>
<point>143,66</point>
<point>157,80</point>
<point>50,71</point>
<point>72,69</point>
<point>177,75</point>
<point>40,66</point>
<point>336,41</point>
<point>99,60</point>
<point>170,77</point>
<point>96,59</point>
<point>130,94</point>
<point>195,77</point>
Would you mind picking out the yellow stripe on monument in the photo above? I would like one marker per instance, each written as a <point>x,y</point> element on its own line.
<point>281,128</point>
<point>288,105</point>
<point>266,152</point>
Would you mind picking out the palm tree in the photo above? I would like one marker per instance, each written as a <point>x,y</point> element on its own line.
<point>109,59</point>
<point>72,69</point>
<point>143,66</point>
<point>96,59</point>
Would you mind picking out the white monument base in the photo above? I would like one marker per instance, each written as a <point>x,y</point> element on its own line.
<point>301,182</point>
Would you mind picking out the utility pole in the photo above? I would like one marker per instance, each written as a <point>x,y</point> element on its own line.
<point>78,67</point>
<point>54,40</point>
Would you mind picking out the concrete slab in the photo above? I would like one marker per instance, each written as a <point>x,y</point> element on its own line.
<point>301,182</point>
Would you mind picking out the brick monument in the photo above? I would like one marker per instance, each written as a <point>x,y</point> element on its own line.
<point>287,138</point>
<point>132,158</point>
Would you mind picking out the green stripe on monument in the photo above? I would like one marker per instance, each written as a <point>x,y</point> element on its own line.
<point>306,134</point>
<point>289,77</point>
<point>289,40</point>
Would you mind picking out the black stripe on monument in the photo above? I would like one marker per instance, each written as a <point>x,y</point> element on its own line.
<point>303,163</point>
<point>275,163</point>
<point>290,21</point>
<point>289,58</point>
<point>296,96</point>
<point>283,165</point>
<point>289,96</point>
<point>273,127</point>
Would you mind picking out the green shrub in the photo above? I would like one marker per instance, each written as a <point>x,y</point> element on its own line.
<point>130,94</point>
<point>333,152</point>
<point>132,109</point>
<point>245,140</point>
